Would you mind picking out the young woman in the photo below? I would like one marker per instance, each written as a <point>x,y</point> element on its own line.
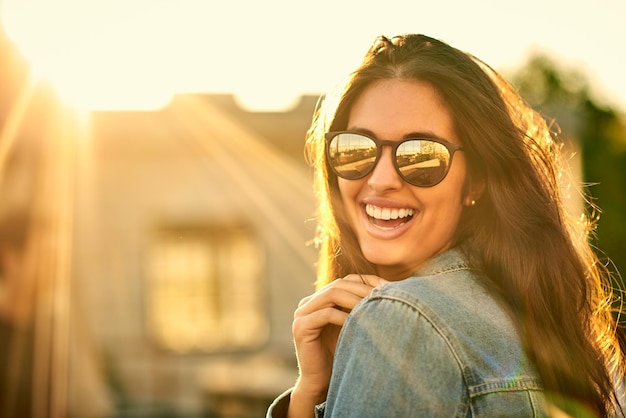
<point>466,289</point>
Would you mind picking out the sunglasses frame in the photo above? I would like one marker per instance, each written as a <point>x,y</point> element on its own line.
<point>380,143</point>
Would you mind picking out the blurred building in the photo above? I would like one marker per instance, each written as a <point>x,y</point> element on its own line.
<point>191,253</point>
<point>189,250</point>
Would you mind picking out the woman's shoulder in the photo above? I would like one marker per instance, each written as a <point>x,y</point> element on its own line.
<point>453,300</point>
<point>447,284</point>
<point>450,296</point>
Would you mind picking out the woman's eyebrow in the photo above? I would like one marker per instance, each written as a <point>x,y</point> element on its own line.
<point>413,134</point>
<point>365,131</point>
<point>424,135</point>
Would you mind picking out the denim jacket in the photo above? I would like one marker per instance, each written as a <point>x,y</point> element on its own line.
<point>434,345</point>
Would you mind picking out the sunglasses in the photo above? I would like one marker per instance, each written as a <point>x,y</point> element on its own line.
<point>422,162</point>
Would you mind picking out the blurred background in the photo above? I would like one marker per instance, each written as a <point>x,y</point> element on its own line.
<point>155,206</point>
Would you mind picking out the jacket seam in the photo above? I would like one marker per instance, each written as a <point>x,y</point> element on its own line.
<point>437,272</point>
<point>474,388</point>
<point>518,385</point>
<point>441,332</point>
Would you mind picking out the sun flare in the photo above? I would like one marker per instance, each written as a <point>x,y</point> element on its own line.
<point>129,54</point>
<point>99,54</point>
<point>136,54</point>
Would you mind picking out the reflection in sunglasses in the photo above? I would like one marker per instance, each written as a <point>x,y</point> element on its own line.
<point>420,162</point>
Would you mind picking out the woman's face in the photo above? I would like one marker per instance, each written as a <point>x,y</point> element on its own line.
<point>392,110</point>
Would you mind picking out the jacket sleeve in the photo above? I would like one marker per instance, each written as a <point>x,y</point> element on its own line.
<point>278,408</point>
<point>392,361</point>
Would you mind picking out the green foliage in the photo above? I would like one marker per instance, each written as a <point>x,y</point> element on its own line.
<point>601,134</point>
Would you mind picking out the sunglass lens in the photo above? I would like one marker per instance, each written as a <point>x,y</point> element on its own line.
<point>422,162</point>
<point>352,156</point>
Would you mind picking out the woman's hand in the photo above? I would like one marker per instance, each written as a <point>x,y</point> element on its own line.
<point>316,326</point>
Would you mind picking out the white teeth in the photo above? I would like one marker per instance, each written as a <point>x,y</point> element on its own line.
<point>387,213</point>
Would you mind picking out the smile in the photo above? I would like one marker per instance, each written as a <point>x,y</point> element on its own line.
<point>388,218</point>
<point>386,214</point>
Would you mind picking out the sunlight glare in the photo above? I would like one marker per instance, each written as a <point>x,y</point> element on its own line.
<point>263,101</point>
<point>138,53</point>
<point>95,53</point>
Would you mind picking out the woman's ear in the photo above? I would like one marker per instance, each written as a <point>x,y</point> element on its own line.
<point>476,190</point>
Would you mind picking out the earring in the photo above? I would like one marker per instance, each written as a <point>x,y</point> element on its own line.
<point>473,203</point>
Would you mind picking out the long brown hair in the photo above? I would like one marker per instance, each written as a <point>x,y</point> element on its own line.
<point>535,256</point>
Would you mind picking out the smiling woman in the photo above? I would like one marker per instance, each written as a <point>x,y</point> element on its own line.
<point>447,286</point>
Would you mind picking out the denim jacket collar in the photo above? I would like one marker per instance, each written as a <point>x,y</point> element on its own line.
<point>450,260</point>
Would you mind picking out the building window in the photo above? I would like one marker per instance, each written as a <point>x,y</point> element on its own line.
<point>205,289</point>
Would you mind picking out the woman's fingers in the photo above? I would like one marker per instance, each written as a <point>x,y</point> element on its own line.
<point>304,324</point>
<point>341,293</point>
<point>318,321</point>
<point>334,298</point>
<point>305,300</point>
<point>367,279</point>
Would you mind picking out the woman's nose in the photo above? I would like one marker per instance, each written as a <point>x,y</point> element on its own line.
<point>384,176</point>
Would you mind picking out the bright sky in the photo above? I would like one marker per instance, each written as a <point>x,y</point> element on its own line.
<point>137,53</point>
